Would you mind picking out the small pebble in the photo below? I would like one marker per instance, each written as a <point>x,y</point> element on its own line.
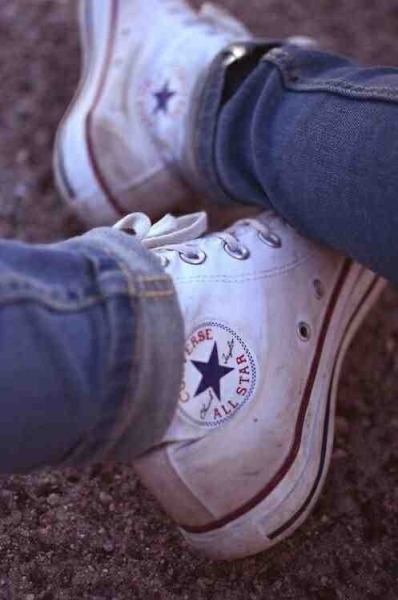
<point>105,498</point>
<point>339,454</point>
<point>109,546</point>
<point>53,499</point>
<point>16,518</point>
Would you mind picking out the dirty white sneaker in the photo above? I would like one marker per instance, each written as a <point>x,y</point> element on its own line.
<point>119,147</point>
<point>268,318</point>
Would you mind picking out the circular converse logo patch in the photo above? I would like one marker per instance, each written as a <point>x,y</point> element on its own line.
<point>220,375</point>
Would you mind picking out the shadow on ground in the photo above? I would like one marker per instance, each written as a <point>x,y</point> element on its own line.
<point>97,534</point>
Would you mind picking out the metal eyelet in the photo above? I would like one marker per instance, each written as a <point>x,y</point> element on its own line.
<point>239,253</point>
<point>196,257</point>
<point>233,53</point>
<point>304,331</point>
<point>270,239</point>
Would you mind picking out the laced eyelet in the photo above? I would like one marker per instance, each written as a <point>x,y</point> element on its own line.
<point>239,253</point>
<point>270,239</point>
<point>233,53</point>
<point>196,257</point>
<point>304,331</point>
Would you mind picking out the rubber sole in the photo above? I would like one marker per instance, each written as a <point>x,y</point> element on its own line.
<point>276,513</point>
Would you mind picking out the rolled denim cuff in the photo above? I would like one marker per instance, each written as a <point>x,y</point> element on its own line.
<point>134,419</point>
<point>206,108</point>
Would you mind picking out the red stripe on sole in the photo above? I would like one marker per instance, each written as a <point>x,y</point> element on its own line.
<point>283,528</point>
<point>292,455</point>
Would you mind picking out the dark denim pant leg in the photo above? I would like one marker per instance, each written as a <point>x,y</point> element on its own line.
<point>90,351</point>
<point>315,137</point>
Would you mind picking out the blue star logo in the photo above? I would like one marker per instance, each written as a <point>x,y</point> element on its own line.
<point>163,97</point>
<point>212,373</point>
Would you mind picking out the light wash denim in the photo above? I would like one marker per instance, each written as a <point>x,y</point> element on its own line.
<point>313,136</point>
<point>91,351</point>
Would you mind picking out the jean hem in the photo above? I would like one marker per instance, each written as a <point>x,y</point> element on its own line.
<point>156,360</point>
<point>208,105</point>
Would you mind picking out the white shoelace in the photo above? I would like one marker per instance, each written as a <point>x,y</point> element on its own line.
<point>176,234</point>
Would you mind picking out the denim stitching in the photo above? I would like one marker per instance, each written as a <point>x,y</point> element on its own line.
<point>48,296</point>
<point>59,306</point>
<point>148,278</point>
<point>132,295</point>
<point>18,290</point>
<point>121,420</point>
<point>137,286</point>
<point>290,74</point>
<point>339,85</point>
<point>121,423</point>
<point>157,295</point>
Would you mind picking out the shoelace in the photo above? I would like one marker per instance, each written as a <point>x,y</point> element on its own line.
<point>176,234</point>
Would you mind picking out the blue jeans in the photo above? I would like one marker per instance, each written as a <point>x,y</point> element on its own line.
<point>91,339</point>
<point>312,136</point>
<point>91,356</point>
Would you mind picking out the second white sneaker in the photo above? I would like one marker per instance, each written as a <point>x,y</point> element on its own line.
<point>268,318</point>
<point>120,146</point>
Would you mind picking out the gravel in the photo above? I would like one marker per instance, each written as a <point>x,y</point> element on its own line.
<point>97,534</point>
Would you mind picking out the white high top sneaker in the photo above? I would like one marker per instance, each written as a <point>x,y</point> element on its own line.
<point>119,146</point>
<point>268,317</point>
